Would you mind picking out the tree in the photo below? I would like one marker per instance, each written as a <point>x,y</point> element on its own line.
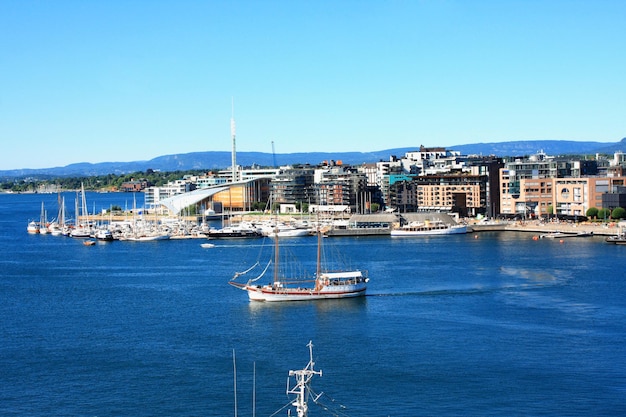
<point>604,214</point>
<point>592,213</point>
<point>618,213</point>
<point>374,207</point>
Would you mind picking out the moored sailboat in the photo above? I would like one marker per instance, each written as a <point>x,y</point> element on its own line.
<point>324,285</point>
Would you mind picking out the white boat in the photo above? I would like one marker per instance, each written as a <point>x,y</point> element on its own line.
<point>324,285</point>
<point>57,225</point>
<point>429,228</point>
<point>33,227</point>
<point>241,231</point>
<point>207,245</point>
<point>555,235</point>
<point>43,223</point>
<point>619,238</point>
<point>283,230</point>
<point>149,237</point>
<point>82,227</point>
<point>103,233</point>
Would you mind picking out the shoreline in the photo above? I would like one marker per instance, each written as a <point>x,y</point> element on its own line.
<point>599,229</point>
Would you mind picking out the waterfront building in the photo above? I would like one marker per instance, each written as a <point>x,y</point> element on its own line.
<point>402,195</point>
<point>153,196</point>
<point>293,184</point>
<point>387,174</point>
<point>615,198</point>
<point>488,167</point>
<point>530,186</point>
<point>569,197</point>
<point>464,194</point>
<point>209,180</point>
<point>243,195</point>
<point>134,186</point>
<point>428,161</point>
<point>339,185</point>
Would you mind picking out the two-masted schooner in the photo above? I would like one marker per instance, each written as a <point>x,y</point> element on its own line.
<point>325,285</point>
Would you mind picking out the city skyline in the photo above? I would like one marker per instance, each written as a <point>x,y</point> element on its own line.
<point>124,81</point>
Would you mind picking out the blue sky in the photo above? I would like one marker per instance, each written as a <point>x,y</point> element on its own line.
<point>96,81</point>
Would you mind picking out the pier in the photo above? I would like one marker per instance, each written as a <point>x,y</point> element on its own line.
<point>597,229</point>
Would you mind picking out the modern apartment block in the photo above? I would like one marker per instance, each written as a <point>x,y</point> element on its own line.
<point>541,185</point>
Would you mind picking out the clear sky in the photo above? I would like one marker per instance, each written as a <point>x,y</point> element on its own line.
<point>101,81</point>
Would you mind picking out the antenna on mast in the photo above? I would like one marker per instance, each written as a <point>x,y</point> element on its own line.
<point>232,134</point>
<point>274,154</point>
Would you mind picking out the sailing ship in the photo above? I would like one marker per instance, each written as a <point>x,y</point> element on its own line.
<point>324,285</point>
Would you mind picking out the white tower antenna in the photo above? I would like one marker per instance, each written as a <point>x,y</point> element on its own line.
<point>232,134</point>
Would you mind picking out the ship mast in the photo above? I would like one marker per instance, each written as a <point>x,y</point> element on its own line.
<point>276,257</point>
<point>301,388</point>
<point>318,268</point>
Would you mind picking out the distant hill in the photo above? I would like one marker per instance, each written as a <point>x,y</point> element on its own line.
<point>222,160</point>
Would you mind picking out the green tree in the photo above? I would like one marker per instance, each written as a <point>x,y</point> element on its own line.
<point>604,214</point>
<point>374,207</point>
<point>618,213</point>
<point>592,213</point>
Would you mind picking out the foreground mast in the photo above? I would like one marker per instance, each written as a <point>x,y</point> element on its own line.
<point>302,386</point>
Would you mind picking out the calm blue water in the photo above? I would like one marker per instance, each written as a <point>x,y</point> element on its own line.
<point>496,325</point>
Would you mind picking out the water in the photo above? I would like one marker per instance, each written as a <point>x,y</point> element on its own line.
<point>495,325</point>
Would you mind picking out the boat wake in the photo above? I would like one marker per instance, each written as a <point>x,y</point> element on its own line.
<point>460,291</point>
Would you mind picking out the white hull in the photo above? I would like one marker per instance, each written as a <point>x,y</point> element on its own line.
<point>145,238</point>
<point>271,294</point>
<point>33,227</point>
<point>452,230</point>
<point>80,232</point>
<point>289,233</point>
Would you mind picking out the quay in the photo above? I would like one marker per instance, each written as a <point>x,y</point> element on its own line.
<point>597,229</point>
<point>531,226</point>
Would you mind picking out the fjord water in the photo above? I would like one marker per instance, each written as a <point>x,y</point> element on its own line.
<point>488,324</point>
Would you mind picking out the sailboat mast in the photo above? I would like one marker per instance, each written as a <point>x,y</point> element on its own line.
<point>318,270</point>
<point>276,257</point>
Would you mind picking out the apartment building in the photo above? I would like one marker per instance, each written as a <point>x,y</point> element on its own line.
<point>294,185</point>
<point>339,185</point>
<point>559,196</point>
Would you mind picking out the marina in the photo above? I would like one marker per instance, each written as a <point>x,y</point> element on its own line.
<point>491,321</point>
